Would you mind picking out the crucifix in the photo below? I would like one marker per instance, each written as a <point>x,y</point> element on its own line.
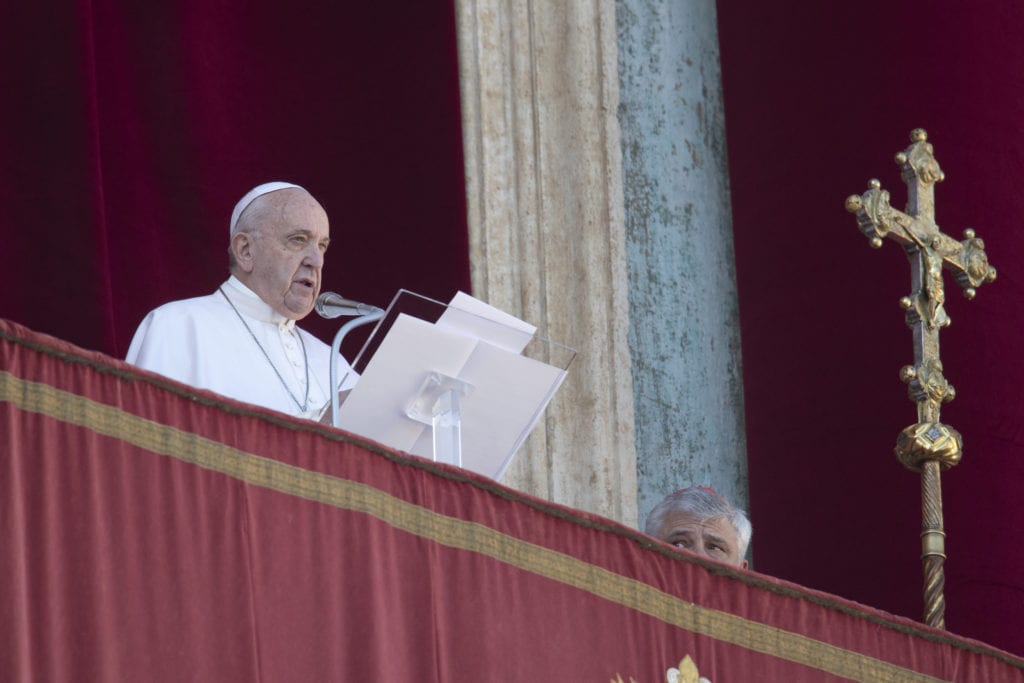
<point>928,446</point>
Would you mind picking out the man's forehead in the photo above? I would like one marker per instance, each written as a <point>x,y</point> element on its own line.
<point>256,194</point>
<point>298,214</point>
<point>292,202</point>
<point>678,521</point>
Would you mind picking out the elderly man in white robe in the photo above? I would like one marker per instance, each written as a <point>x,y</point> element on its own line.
<point>241,341</point>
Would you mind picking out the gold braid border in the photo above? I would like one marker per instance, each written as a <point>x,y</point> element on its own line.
<point>448,531</point>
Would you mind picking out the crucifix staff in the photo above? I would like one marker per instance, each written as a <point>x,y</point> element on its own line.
<point>928,446</point>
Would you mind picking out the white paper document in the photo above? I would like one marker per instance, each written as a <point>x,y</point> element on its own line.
<point>474,317</point>
<point>479,348</point>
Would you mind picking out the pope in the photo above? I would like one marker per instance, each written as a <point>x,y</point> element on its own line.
<point>241,340</point>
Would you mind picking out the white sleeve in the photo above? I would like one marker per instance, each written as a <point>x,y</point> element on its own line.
<point>165,343</point>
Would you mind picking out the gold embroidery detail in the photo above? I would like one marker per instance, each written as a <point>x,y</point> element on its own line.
<point>685,673</point>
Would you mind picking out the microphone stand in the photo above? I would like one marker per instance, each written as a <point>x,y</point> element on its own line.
<point>364,319</point>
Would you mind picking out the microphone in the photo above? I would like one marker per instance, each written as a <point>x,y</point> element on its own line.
<point>332,305</point>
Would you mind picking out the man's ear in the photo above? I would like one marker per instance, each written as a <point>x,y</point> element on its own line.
<point>241,248</point>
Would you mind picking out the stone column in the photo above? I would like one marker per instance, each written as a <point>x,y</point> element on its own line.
<point>547,242</point>
<point>684,327</point>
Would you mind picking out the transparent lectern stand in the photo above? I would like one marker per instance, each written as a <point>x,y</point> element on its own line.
<point>438,403</point>
<point>462,383</point>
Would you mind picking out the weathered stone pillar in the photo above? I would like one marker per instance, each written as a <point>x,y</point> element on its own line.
<point>547,242</point>
<point>684,319</point>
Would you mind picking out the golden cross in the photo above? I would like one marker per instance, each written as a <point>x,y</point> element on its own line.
<point>927,446</point>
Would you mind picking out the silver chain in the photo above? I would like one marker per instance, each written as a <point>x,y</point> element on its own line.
<point>302,406</point>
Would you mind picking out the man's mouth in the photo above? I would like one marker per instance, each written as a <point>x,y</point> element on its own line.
<point>306,282</point>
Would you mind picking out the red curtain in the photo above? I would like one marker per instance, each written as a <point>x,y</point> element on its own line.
<point>130,130</point>
<point>819,97</point>
<point>154,532</point>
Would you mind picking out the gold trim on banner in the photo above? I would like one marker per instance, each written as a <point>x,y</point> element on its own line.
<point>448,531</point>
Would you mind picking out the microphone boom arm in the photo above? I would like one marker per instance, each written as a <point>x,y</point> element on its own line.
<point>374,315</point>
<point>333,305</point>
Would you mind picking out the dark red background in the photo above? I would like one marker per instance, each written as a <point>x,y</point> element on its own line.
<point>128,133</point>
<point>819,97</point>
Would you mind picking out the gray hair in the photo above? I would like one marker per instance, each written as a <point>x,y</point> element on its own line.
<point>704,504</point>
<point>250,218</point>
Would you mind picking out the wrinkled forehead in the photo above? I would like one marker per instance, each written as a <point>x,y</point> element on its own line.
<point>677,521</point>
<point>287,211</point>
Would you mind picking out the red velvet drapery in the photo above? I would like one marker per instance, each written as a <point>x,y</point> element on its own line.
<point>154,532</point>
<point>819,97</point>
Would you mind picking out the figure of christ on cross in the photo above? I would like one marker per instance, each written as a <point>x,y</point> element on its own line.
<point>927,446</point>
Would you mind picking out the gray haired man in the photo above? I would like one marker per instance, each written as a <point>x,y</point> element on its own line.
<point>702,521</point>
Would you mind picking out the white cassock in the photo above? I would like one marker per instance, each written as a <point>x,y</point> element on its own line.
<point>203,342</point>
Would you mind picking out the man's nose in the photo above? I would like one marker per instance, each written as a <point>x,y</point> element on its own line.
<point>314,257</point>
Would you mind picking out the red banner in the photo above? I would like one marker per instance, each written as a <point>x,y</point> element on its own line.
<point>155,532</point>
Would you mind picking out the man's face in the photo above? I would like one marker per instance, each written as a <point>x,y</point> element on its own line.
<point>713,538</point>
<point>287,252</point>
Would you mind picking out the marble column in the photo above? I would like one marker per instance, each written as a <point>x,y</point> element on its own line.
<point>540,97</point>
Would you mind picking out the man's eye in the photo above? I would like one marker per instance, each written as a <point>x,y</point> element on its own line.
<point>682,544</point>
